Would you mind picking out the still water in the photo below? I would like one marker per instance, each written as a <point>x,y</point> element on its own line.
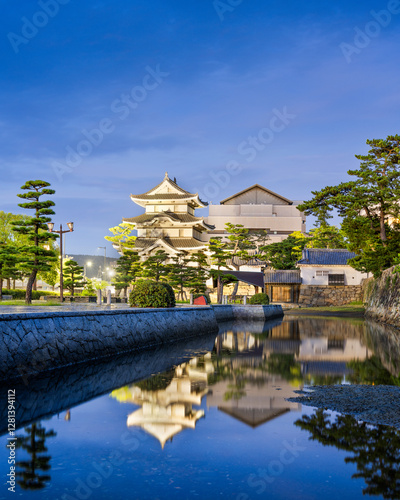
<point>209,419</point>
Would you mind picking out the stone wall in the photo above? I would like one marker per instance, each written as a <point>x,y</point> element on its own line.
<point>247,313</point>
<point>312,295</point>
<point>382,298</point>
<point>36,342</point>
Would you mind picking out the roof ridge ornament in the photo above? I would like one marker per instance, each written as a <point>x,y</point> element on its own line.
<point>166,176</point>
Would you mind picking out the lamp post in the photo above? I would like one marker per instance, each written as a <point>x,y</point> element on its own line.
<point>85,266</point>
<point>61,232</point>
<point>105,258</point>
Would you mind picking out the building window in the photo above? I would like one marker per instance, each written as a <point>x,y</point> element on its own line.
<point>336,279</point>
<point>321,273</point>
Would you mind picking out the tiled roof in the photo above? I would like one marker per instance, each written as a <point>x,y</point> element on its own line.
<point>242,262</point>
<point>252,278</point>
<point>163,196</point>
<point>174,242</point>
<point>325,257</point>
<point>282,277</point>
<point>172,215</point>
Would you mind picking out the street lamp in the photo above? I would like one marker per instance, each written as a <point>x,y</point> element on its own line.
<point>85,265</point>
<point>61,232</point>
<point>105,258</point>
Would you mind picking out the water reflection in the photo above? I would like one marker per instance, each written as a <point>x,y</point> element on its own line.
<point>29,471</point>
<point>251,371</point>
<point>375,449</point>
<point>167,401</point>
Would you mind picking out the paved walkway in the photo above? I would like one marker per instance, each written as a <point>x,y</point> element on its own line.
<point>64,307</point>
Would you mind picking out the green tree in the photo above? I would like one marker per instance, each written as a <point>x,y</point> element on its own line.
<point>326,236</point>
<point>52,276</point>
<point>179,275</point>
<point>128,268</point>
<point>218,256</point>
<point>242,246</point>
<point>8,264</point>
<point>368,205</point>
<point>34,256</point>
<point>199,273</point>
<point>73,276</point>
<point>28,471</point>
<point>7,235</point>
<point>284,254</point>
<point>155,266</point>
<point>122,238</point>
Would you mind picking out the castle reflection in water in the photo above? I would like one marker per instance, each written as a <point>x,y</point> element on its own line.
<point>250,373</point>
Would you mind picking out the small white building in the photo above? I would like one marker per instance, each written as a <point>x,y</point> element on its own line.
<point>323,266</point>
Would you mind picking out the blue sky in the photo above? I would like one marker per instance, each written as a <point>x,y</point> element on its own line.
<point>221,94</point>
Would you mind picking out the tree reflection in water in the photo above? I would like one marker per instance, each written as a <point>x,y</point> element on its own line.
<point>376,449</point>
<point>29,470</point>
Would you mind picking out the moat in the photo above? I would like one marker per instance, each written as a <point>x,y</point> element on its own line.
<point>209,418</point>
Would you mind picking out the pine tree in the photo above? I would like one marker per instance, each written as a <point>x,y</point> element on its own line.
<point>34,257</point>
<point>179,275</point>
<point>73,276</point>
<point>128,268</point>
<point>369,206</point>
<point>219,256</point>
<point>198,273</point>
<point>155,266</point>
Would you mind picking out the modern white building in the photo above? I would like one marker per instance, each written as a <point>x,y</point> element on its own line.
<point>257,208</point>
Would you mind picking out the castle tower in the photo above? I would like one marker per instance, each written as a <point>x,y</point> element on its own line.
<point>169,222</point>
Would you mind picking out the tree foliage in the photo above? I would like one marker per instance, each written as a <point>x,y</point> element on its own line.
<point>283,255</point>
<point>368,205</point>
<point>34,257</point>
<point>122,238</point>
<point>326,236</point>
<point>375,449</point>
<point>155,266</point>
<point>128,268</point>
<point>73,276</point>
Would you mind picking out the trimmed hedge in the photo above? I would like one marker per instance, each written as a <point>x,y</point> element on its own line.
<point>147,293</point>
<point>19,293</point>
<point>260,299</point>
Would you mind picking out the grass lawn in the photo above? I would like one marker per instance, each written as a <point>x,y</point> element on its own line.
<point>34,303</point>
<point>352,309</point>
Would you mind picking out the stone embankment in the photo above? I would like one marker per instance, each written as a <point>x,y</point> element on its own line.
<point>37,342</point>
<point>318,296</point>
<point>382,298</point>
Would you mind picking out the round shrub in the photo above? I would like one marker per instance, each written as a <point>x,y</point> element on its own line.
<point>148,293</point>
<point>259,298</point>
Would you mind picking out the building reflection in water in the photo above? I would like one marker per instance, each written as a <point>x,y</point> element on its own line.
<point>169,408</point>
<point>250,373</point>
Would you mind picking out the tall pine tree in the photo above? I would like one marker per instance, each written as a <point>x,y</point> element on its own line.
<point>34,256</point>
